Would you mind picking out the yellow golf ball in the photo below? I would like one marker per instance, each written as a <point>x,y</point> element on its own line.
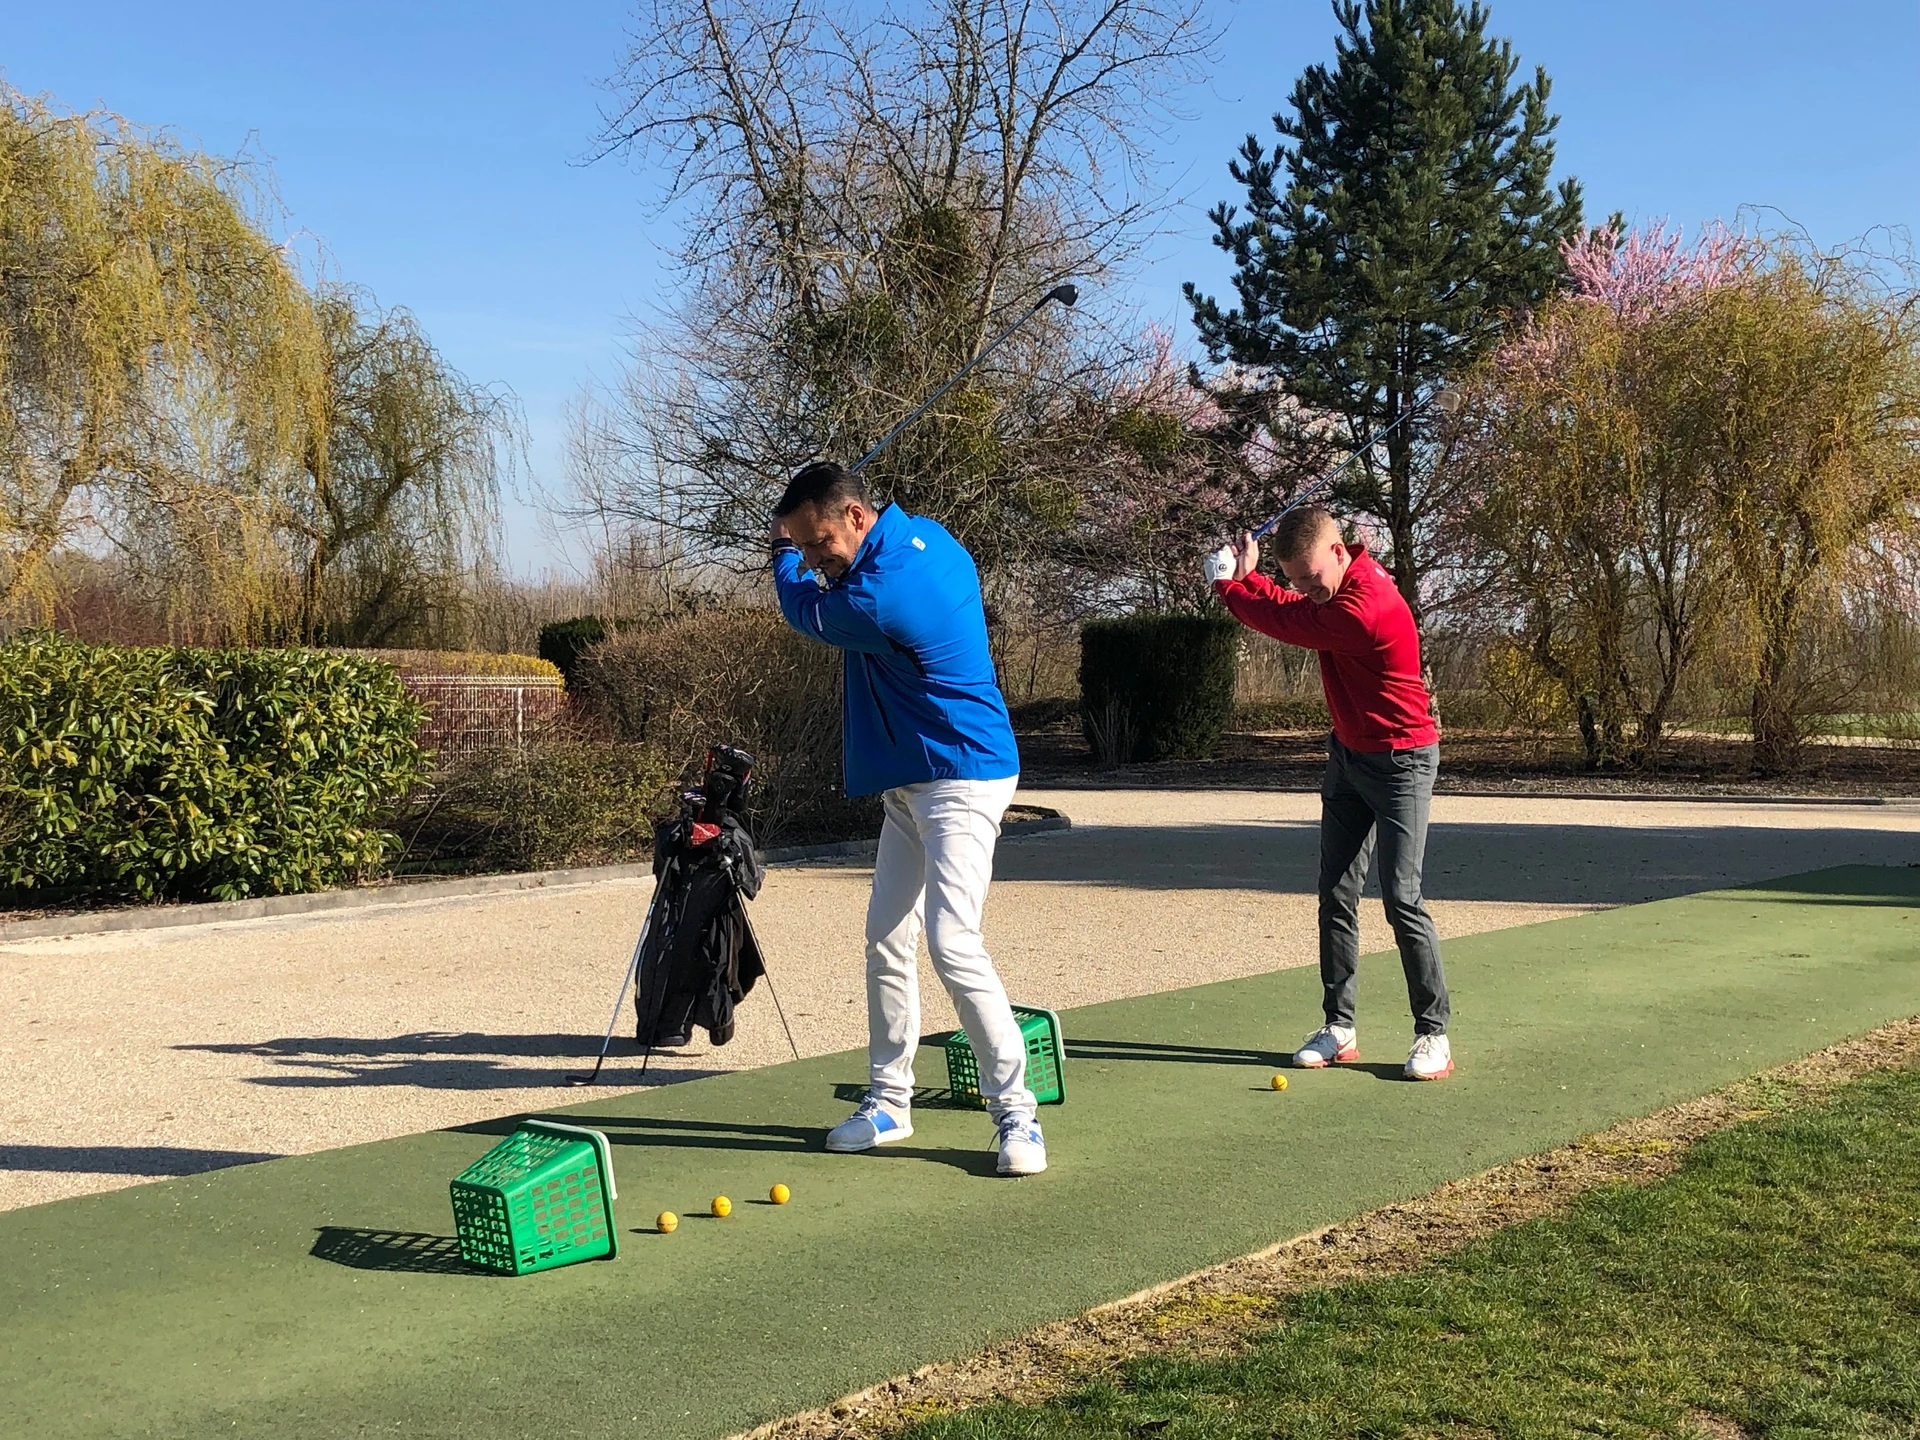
<point>722,1206</point>
<point>1279,1082</point>
<point>779,1194</point>
<point>668,1222</point>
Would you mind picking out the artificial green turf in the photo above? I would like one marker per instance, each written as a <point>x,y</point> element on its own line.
<point>1774,1282</point>
<point>252,1301</point>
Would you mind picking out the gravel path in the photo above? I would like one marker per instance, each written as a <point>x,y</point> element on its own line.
<point>133,1056</point>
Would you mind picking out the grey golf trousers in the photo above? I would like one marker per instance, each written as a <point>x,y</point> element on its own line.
<point>1368,800</point>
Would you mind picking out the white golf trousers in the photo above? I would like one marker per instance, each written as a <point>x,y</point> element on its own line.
<point>935,861</point>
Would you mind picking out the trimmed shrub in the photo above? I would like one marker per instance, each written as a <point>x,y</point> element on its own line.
<point>1157,687</point>
<point>563,642</point>
<point>560,801</point>
<point>464,662</point>
<point>187,773</point>
<point>1307,712</point>
<point>744,677</point>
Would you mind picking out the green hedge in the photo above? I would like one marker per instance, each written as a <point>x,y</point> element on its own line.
<point>188,773</point>
<point>563,642</point>
<point>1157,687</point>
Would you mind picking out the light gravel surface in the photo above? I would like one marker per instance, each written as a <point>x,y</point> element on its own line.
<point>131,1056</point>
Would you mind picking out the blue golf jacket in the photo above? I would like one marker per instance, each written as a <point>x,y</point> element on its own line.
<point>919,697</point>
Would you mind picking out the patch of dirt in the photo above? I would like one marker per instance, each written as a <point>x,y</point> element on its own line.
<point>1218,1310</point>
<point>1714,1427</point>
<point>1487,760</point>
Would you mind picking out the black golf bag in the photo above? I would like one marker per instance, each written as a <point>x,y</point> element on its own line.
<point>699,958</point>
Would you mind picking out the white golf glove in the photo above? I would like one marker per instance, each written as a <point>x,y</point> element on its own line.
<point>1219,564</point>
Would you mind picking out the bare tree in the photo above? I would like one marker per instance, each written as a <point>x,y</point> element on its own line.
<point>864,201</point>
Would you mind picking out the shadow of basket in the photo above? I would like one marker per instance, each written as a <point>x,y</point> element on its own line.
<point>925,1097</point>
<point>395,1250</point>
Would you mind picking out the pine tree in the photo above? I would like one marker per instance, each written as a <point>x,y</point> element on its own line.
<point>1384,249</point>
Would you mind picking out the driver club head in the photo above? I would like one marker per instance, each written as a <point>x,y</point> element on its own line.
<point>1065,294</point>
<point>1448,402</point>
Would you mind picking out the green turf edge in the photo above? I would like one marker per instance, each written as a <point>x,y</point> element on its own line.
<point>191,1305</point>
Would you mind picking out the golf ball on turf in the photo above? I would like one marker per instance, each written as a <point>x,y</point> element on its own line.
<point>1279,1082</point>
<point>668,1222</point>
<point>779,1194</point>
<point>722,1206</point>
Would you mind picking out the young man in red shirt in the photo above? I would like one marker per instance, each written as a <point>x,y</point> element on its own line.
<point>1381,761</point>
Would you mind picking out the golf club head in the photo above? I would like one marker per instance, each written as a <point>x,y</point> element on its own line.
<point>1066,294</point>
<point>1448,402</point>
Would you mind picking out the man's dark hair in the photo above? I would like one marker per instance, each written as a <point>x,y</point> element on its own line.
<point>825,483</point>
<point>1300,530</point>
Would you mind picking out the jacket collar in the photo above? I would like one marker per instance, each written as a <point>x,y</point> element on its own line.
<point>886,528</point>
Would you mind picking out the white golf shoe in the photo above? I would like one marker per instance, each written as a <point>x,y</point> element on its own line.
<point>1023,1150</point>
<point>1431,1058</point>
<point>1329,1045</point>
<point>873,1123</point>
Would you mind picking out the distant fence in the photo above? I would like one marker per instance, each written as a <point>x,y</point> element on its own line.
<point>481,712</point>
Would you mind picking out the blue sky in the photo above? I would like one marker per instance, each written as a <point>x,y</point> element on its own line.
<point>435,148</point>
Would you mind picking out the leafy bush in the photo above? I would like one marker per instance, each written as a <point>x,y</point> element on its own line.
<point>1057,712</point>
<point>562,801</point>
<point>1524,696</point>
<point>563,642</point>
<point>746,678</point>
<point>187,773</point>
<point>1306,712</point>
<point>1157,687</point>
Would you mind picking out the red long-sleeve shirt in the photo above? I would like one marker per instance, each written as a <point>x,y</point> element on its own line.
<point>1369,651</point>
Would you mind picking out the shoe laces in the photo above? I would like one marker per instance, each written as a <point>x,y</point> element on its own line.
<point>1426,1047</point>
<point>1016,1126</point>
<point>867,1109</point>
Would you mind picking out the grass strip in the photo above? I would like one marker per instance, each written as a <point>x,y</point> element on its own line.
<point>1770,1285</point>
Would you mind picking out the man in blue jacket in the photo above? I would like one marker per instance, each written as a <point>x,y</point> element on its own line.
<point>925,727</point>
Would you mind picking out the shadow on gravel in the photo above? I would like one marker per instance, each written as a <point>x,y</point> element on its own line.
<point>124,1159</point>
<point>444,1060</point>
<point>394,1250</point>
<point>1541,864</point>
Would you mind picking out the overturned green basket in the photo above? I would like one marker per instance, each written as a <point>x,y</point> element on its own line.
<point>541,1198</point>
<point>1046,1059</point>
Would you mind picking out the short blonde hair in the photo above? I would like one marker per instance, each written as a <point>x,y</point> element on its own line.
<point>1300,530</point>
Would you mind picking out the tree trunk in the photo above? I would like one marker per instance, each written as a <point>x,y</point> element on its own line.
<point>1774,717</point>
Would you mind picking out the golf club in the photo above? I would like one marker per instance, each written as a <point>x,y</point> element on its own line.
<point>1065,294</point>
<point>1448,402</point>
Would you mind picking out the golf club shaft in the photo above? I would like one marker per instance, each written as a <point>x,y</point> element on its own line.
<point>631,977</point>
<point>1325,483</point>
<point>1064,293</point>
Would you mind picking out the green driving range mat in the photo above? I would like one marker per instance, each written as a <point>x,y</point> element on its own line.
<point>323,1295</point>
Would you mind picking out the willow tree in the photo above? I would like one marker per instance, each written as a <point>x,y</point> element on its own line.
<point>161,370</point>
<point>400,503</point>
<point>1807,398</point>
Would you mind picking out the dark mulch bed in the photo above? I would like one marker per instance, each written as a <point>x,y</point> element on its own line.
<point>1477,760</point>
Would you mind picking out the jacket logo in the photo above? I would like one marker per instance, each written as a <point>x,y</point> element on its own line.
<point>918,543</point>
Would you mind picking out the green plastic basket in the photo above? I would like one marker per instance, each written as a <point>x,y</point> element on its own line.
<point>541,1198</point>
<point>1046,1059</point>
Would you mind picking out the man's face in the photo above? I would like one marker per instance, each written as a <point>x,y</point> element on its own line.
<point>829,536</point>
<point>1318,571</point>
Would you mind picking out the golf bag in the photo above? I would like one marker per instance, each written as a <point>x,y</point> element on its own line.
<point>699,958</point>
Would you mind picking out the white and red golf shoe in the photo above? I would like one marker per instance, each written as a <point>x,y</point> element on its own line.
<point>1329,1045</point>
